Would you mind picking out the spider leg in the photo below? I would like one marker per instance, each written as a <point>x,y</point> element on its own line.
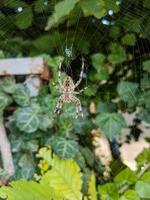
<point>75,100</point>
<point>81,74</point>
<point>59,105</point>
<point>59,74</point>
<point>80,91</point>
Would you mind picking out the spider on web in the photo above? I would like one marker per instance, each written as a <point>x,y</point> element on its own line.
<point>68,93</point>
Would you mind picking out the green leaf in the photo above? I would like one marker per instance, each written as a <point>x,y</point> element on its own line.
<point>108,191</point>
<point>144,115</point>
<point>146,4</point>
<point>64,178</point>
<point>146,65</point>
<point>143,189</point>
<point>65,125</point>
<point>95,8</point>
<point>143,158</point>
<point>144,99</point>
<point>8,85</point>
<point>24,18</point>
<point>91,90</point>
<point>45,122</point>
<point>117,55</point>
<point>126,176</point>
<point>5,100</point>
<point>92,188</point>
<point>62,10</point>
<point>128,92</point>
<point>145,176</point>
<point>21,95</point>
<point>97,60</point>
<point>129,39</point>
<point>40,6</point>
<point>65,148</point>
<point>101,72</point>
<point>28,190</point>
<point>111,5</point>
<point>130,195</point>
<point>27,119</point>
<point>110,123</point>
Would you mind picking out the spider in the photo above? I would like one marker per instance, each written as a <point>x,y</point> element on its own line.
<point>68,93</point>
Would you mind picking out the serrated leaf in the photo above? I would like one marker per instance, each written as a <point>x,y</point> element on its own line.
<point>95,8</point>
<point>24,18</point>
<point>65,148</point>
<point>64,178</point>
<point>27,119</point>
<point>62,10</point>
<point>21,95</point>
<point>28,190</point>
<point>143,189</point>
<point>110,123</point>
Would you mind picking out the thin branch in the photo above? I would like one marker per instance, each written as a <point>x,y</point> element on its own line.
<point>6,155</point>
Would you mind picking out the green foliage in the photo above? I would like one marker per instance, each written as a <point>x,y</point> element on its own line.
<point>64,148</point>
<point>128,92</point>
<point>95,8</point>
<point>117,55</point>
<point>21,95</point>
<point>113,40</point>
<point>110,123</point>
<point>27,119</point>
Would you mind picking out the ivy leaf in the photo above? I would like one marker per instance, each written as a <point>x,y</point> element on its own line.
<point>117,55</point>
<point>110,123</point>
<point>98,63</point>
<point>126,176</point>
<point>128,92</point>
<point>144,99</point>
<point>24,18</point>
<point>108,191</point>
<point>65,148</point>
<point>130,195</point>
<point>143,189</point>
<point>129,39</point>
<point>45,122</point>
<point>65,125</point>
<point>95,8</point>
<point>5,100</point>
<point>21,95</point>
<point>27,119</point>
<point>144,115</point>
<point>8,85</point>
<point>62,10</point>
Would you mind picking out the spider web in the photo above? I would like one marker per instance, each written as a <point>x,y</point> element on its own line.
<point>142,46</point>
